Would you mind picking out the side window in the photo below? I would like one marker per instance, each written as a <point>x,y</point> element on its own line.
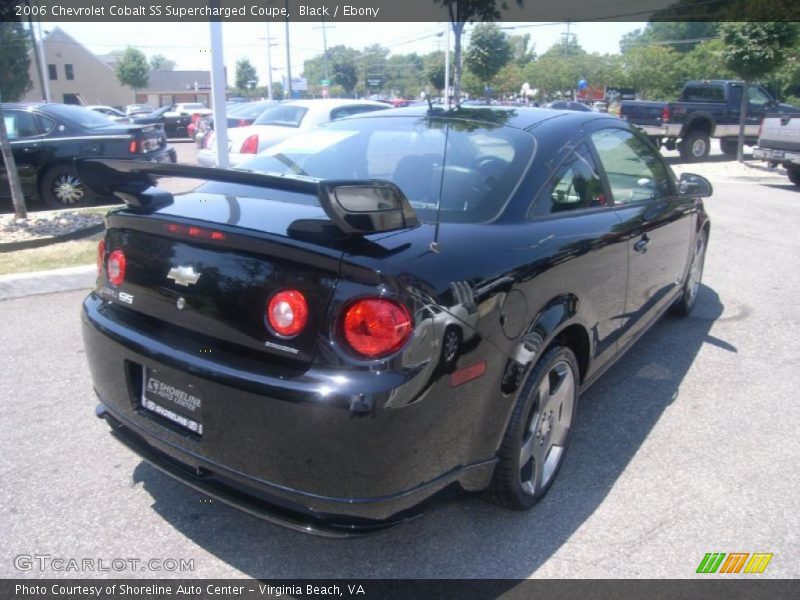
<point>633,169</point>
<point>20,124</point>
<point>69,72</point>
<point>757,96</point>
<point>575,185</point>
<point>46,124</point>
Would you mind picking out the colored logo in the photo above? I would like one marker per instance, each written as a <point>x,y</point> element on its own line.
<point>734,562</point>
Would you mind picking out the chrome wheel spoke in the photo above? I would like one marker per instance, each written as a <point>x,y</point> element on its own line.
<point>526,452</point>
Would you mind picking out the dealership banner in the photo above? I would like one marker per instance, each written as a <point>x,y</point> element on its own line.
<point>389,589</point>
<point>397,10</point>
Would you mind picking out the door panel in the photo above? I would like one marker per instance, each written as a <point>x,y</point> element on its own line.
<point>655,221</point>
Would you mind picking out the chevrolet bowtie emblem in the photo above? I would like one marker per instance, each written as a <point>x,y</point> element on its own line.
<point>184,276</point>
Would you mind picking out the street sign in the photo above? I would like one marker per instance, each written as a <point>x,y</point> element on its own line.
<point>374,81</point>
<point>325,82</point>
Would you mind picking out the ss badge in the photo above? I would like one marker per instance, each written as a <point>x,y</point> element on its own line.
<point>181,303</point>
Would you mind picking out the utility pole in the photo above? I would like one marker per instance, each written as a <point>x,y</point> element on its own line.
<point>269,64</point>
<point>37,57</point>
<point>39,49</point>
<point>218,93</point>
<point>17,197</point>
<point>288,92</point>
<point>447,66</point>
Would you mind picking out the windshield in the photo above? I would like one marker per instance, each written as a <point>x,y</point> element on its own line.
<point>284,115</point>
<point>474,177</point>
<point>77,115</point>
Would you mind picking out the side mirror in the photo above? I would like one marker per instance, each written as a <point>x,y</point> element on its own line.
<point>693,185</point>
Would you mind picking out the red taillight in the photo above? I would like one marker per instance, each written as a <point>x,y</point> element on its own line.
<point>665,114</point>
<point>250,145</point>
<point>287,312</point>
<point>375,327</point>
<point>116,267</point>
<point>101,255</point>
<point>133,147</point>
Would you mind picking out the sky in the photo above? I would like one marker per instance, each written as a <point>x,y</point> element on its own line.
<point>187,44</point>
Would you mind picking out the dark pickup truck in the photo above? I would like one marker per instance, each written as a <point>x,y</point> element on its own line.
<point>705,110</point>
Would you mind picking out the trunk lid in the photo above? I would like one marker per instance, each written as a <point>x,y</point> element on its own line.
<point>214,289</point>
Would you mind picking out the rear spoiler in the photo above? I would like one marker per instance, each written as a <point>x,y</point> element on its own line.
<point>354,206</point>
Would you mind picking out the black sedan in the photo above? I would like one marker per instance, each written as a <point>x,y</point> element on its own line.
<point>393,304</point>
<point>46,138</point>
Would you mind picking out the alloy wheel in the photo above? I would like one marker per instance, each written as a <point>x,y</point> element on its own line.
<point>546,436</point>
<point>696,270</point>
<point>68,189</point>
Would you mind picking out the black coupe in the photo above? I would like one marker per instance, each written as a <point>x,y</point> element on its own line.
<point>393,304</point>
<point>46,138</point>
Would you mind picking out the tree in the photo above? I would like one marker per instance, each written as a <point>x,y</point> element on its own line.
<point>246,77</point>
<point>132,69</point>
<point>653,72</point>
<point>161,63</point>
<point>680,36</point>
<point>753,50</point>
<point>462,12</point>
<point>522,51</point>
<point>14,61</point>
<point>488,52</point>
<point>434,70</point>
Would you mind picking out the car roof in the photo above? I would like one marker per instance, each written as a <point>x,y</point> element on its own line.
<point>330,103</point>
<point>521,117</point>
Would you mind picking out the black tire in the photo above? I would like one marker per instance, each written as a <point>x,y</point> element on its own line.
<point>684,305</point>
<point>729,147</point>
<point>60,187</point>
<point>793,175</point>
<point>510,487</point>
<point>695,147</point>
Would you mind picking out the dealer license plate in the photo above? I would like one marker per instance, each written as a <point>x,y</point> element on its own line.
<point>175,401</point>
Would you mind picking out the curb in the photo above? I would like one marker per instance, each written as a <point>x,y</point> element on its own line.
<point>47,282</point>
<point>48,241</point>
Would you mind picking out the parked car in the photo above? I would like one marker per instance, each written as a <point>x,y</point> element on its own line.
<point>45,138</point>
<point>569,105</point>
<point>278,338</point>
<point>705,110</point>
<point>238,115</point>
<point>109,111</point>
<point>175,118</point>
<point>779,143</point>
<point>138,109</point>
<point>280,122</point>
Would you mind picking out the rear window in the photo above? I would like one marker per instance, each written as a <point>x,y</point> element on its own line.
<point>465,170</point>
<point>703,93</point>
<point>282,115</point>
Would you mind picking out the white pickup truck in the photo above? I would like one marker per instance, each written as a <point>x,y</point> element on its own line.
<point>779,143</point>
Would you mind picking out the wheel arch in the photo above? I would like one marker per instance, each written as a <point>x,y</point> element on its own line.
<point>702,122</point>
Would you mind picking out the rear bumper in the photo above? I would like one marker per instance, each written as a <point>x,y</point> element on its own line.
<point>781,156</point>
<point>668,130</point>
<point>273,446</point>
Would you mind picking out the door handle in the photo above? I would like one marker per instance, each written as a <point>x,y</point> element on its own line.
<point>641,245</point>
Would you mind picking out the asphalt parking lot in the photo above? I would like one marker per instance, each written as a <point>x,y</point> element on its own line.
<point>688,445</point>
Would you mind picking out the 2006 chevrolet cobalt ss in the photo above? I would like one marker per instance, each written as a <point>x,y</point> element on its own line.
<point>390,305</point>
